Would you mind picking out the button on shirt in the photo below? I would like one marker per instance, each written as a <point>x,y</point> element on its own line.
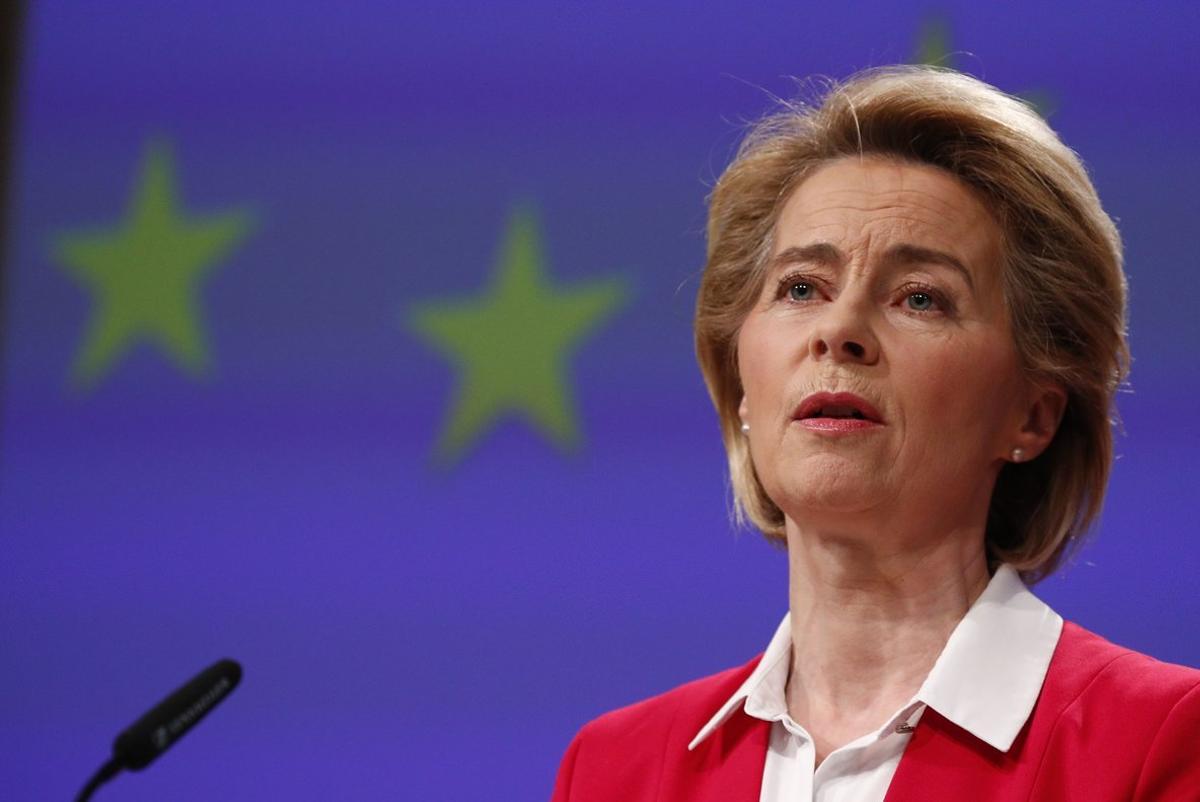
<point>986,681</point>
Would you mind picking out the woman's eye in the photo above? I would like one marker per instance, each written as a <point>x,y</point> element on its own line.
<point>920,301</point>
<point>800,291</point>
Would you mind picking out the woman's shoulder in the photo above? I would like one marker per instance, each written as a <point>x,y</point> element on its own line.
<point>1086,665</point>
<point>625,753</point>
<point>674,710</point>
<point>1130,717</point>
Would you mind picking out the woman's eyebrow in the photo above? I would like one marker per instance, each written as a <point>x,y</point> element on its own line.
<point>904,253</point>
<point>823,253</point>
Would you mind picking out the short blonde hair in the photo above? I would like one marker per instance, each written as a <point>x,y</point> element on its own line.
<point>1063,279</point>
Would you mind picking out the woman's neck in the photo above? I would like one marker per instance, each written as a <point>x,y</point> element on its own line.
<point>868,623</point>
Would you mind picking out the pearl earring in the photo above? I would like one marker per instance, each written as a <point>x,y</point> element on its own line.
<point>745,428</point>
<point>1018,454</point>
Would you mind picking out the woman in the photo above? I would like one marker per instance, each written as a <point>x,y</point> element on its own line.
<point>911,323</point>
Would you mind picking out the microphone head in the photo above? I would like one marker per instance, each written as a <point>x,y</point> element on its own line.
<point>152,734</point>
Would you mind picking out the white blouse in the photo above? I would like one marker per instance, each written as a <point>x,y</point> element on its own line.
<point>986,681</point>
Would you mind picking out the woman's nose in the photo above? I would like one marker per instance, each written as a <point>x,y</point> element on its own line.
<point>844,334</point>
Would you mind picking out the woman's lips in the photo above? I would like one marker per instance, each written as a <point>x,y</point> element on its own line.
<point>838,425</point>
<point>837,413</point>
<point>837,405</point>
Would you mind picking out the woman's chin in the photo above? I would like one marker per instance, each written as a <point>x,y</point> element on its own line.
<point>828,494</point>
<point>831,481</point>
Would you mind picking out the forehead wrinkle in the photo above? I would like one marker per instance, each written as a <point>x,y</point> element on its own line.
<point>917,188</point>
<point>894,212</point>
<point>848,209</point>
<point>915,230</point>
<point>904,232</point>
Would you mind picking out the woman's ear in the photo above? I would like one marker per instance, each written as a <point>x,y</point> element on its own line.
<point>743,411</point>
<point>1044,410</point>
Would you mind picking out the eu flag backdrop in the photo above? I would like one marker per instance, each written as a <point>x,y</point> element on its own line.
<point>353,342</point>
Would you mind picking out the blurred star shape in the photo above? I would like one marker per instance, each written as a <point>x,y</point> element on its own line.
<point>144,274</point>
<point>511,345</point>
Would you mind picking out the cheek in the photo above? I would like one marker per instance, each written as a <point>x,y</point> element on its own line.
<point>756,366</point>
<point>960,396</point>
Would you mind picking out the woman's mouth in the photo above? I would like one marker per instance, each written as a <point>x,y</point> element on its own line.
<point>837,413</point>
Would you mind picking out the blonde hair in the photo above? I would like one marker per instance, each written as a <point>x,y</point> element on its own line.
<point>1063,279</point>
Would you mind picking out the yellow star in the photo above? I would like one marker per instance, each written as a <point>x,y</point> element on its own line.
<point>933,43</point>
<point>144,274</point>
<point>933,48</point>
<point>511,345</point>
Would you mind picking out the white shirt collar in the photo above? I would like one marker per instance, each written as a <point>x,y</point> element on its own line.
<point>986,679</point>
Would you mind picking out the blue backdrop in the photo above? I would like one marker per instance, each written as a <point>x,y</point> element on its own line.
<point>354,342</point>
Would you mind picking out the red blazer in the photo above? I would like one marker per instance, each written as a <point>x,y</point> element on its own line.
<point>1110,724</point>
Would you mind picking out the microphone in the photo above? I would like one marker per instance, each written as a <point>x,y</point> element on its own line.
<point>152,734</point>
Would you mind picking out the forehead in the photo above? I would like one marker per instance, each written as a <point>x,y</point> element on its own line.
<point>853,203</point>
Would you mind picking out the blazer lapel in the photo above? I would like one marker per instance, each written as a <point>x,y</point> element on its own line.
<point>726,767</point>
<point>943,761</point>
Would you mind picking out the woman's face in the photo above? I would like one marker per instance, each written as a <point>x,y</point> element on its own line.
<point>878,367</point>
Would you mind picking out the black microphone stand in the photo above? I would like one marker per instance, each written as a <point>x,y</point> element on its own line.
<point>106,773</point>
